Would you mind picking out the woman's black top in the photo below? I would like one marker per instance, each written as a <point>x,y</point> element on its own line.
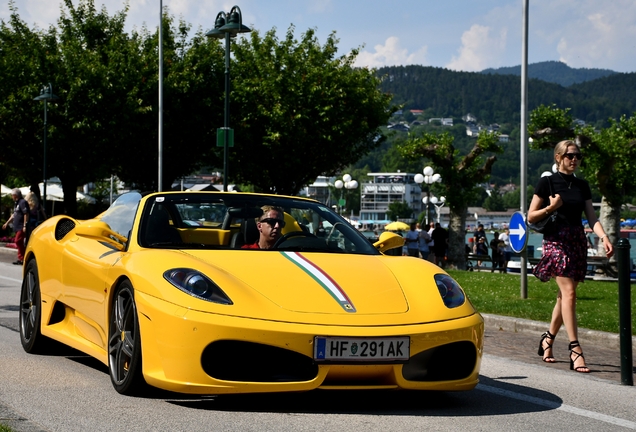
<point>574,192</point>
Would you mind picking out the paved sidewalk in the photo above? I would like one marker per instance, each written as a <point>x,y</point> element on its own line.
<point>518,339</point>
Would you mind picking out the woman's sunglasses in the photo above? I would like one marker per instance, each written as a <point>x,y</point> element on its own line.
<point>571,156</point>
<point>272,222</point>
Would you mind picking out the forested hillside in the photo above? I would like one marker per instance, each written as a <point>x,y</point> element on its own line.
<point>492,99</point>
<point>497,98</point>
<point>555,72</point>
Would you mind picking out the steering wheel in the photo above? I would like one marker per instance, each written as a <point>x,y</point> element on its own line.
<point>289,235</point>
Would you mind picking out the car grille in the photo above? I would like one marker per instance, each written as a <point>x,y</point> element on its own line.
<point>251,362</point>
<point>449,362</point>
<point>63,227</point>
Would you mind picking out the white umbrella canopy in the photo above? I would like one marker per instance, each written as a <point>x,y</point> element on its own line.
<point>54,192</point>
<point>4,190</point>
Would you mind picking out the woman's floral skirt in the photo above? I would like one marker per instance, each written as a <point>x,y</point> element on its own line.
<point>564,254</point>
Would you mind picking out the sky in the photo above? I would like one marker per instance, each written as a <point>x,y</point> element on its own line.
<point>462,35</point>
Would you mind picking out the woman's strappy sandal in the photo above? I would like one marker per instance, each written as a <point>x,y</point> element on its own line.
<point>582,369</point>
<point>546,337</point>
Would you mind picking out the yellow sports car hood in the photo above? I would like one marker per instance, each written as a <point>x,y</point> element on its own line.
<point>324,288</point>
<point>316,282</point>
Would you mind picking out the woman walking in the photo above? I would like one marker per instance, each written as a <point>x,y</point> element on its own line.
<point>565,250</point>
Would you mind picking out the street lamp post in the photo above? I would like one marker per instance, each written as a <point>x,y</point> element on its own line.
<point>227,26</point>
<point>347,183</point>
<point>438,207</point>
<point>429,177</point>
<point>46,94</point>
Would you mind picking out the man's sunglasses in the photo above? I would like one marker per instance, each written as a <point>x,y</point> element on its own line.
<point>571,156</point>
<point>272,222</point>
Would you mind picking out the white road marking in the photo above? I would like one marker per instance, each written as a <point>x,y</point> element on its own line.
<point>558,406</point>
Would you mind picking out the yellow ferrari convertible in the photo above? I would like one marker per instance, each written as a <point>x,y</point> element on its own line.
<point>171,290</point>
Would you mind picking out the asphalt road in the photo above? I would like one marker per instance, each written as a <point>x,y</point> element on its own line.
<point>71,392</point>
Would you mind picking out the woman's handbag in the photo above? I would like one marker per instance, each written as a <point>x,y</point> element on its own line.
<point>547,225</point>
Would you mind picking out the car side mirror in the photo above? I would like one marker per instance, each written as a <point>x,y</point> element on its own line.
<point>388,241</point>
<point>100,231</point>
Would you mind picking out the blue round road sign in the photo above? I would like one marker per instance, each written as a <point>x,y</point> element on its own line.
<point>518,232</point>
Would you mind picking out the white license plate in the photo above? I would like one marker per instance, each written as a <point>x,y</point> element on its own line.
<point>392,349</point>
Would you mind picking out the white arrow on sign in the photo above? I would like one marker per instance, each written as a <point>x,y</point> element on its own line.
<point>519,231</point>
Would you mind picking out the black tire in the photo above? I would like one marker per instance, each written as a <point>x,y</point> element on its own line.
<point>124,343</point>
<point>31,312</point>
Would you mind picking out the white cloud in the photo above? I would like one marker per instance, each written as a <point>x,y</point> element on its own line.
<point>390,54</point>
<point>479,49</point>
<point>603,40</point>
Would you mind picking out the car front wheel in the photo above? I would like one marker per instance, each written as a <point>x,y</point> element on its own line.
<point>30,312</point>
<point>124,344</point>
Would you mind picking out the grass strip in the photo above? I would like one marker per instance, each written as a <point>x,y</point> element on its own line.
<point>500,294</point>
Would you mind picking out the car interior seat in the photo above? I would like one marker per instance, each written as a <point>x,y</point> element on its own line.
<point>158,228</point>
<point>248,234</point>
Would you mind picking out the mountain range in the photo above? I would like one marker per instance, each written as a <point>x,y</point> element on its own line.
<point>555,72</point>
<point>496,97</point>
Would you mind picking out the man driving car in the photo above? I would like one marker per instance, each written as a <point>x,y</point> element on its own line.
<point>269,226</point>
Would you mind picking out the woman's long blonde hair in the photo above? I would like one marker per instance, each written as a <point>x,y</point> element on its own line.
<point>32,199</point>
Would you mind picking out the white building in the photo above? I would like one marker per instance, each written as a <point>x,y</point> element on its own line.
<point>319,190</point>
<point>384,189</point>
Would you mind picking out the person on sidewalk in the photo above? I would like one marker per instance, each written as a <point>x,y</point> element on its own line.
<point>479,249</point>
<point>507,251</point>
<point>36,213</point>
<point>496,254</point>
<point>565,251</point>
<point>412,244</point>
<point>20,219</point>
<point>423,241</point>
<point>440,237</point>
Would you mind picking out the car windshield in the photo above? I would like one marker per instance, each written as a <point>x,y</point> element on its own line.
<point>121,213</point>
<point>209,220</point>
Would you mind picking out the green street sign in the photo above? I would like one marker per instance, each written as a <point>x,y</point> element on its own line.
<point>220,137</point>
<point>342,202</point>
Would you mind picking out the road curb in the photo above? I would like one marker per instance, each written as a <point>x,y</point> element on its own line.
<point>8,250</point>
<point>520,325</point>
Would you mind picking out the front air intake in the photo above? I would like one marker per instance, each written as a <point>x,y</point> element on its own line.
<point>453,361</point>
<point>252,362</point>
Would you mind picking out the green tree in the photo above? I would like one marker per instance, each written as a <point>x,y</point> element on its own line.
<point>85,59</point>
<point>399,210</point>
<point>26,63</point>
<point>512,199</point>
<point>495,201</point>
<point>193,95</point>
<point>299,110</point>
<point>460,176</point>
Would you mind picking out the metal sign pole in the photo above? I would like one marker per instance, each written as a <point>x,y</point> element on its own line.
<point>524,141</point>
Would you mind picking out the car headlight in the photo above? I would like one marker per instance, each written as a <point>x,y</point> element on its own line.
<point>197,285</point>
<point>452,294</point>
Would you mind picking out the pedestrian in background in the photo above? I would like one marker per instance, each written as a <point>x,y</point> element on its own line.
<point>494,246</point>
<point>431,244</point>
<point>479,250</point>
<point>565,251</point>
<point>440,237</point>
<point>412,241</point>
<point>20,219</point>
<point>507,249</point>
<point>36,213</point>
<point>423,241</point>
